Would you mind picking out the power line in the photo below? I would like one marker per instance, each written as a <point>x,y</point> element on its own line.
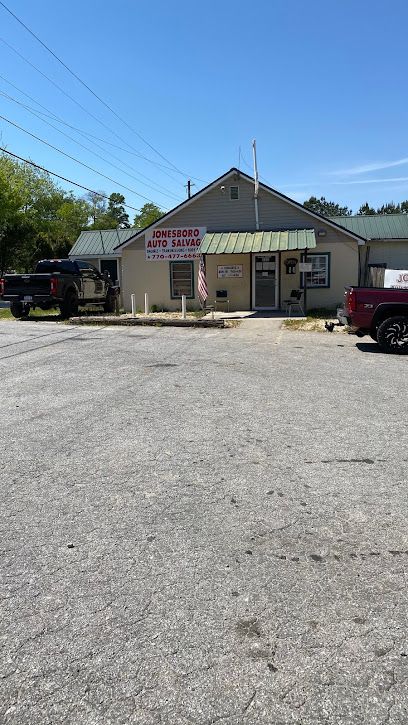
<point>139,135</point>
<point>34,113</point>
<point>63,178</point>
<point>71,98</point>
<point>83,133</point>
<point>77,161</point>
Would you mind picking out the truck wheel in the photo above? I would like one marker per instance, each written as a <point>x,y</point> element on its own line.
<point>109,305</point>
<point>392,335</point>
<point>69,307</point>
<point>19,310</point>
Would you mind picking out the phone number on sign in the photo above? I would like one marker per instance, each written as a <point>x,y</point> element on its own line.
<point>171,256</point>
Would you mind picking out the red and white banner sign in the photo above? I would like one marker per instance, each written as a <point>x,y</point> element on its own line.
<point>174,243</point>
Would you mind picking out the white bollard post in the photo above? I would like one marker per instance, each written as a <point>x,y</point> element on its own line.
<point>133,301</point>
<point>147,309</point>
<point>183,307</point>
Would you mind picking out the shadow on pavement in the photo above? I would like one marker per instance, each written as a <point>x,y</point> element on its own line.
<point>370,347</point>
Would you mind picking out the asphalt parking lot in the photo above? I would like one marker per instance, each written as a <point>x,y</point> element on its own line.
<point>201,526</point>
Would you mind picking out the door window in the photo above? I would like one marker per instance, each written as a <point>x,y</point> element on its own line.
<point>265,280</point>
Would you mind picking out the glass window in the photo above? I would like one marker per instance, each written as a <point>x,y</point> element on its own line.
<point>234,193</point>
<point>88,269</point>
<point>181,279</point>
<point>320,274</point>
<point>65,266</point>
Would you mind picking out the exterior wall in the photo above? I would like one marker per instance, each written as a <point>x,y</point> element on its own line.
<point>238,289</point>
<point>393,254</point>
<point>215,211</point>
<point>343,270</point>
<point>140,276</point>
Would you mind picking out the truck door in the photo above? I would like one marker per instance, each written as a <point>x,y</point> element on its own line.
<point>98,284</point>
<point>87,283</point>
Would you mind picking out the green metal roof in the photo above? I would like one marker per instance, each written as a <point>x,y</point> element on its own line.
<point>376,226</point>
<point>243,242</point>
<point>100,241</point>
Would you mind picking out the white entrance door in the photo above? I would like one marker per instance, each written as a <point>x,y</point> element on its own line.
<point>265,282</point>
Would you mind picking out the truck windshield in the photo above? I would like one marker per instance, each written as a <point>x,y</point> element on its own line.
<point>65,266</point>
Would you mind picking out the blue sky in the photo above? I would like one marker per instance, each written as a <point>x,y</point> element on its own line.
<point>321,85</point>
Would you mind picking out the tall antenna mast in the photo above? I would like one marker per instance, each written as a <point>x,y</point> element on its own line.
<point>256,189</point>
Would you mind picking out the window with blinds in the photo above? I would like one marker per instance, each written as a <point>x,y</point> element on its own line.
<point>181,279</point>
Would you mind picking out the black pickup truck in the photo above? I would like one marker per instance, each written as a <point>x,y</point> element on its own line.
<point>58,283</point>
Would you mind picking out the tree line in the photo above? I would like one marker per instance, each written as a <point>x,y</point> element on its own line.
<point>330,208</point>
<point>39,219</point>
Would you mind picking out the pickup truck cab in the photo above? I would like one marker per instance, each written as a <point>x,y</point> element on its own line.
<point>59,283</point>
<point>381,313</point>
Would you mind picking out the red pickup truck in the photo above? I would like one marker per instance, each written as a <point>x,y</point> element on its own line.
<point>379,312</point>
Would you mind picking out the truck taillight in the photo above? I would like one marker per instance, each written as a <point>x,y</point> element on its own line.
<point>352,302</point>
<point>1,287</point>
<point>54,286</point>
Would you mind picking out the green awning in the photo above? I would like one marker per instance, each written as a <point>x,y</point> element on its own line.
<point>247,242</point>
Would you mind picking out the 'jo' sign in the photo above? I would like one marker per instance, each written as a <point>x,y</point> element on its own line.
<point>396,278</point>
<point>173,243</point>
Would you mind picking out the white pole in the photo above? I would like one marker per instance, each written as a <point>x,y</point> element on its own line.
<point>256,185</point>
<point>133,301</point>
<point>183,307</point>
<point>147,309</point>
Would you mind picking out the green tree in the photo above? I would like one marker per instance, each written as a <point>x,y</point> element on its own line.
<point>116,210</point>
<point>404,207</point>
<point>326,208</point>
<point>149,213</point>
<point>389,208</point>
<point>366,209</point>
<point>97,203</point>
<point>115,214</point>
<point>37,218</point>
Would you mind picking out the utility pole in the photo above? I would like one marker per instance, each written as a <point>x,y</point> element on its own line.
<point>188,186</point>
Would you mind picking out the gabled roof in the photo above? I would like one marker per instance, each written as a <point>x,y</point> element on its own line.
<point>262,186</point>
<point>376,226</point>
<point>100,242</point>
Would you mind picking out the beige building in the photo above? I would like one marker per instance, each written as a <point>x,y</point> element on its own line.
<point>253,248</point>
<point>386,244</point>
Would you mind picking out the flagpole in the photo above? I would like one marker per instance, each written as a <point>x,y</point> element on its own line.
<point>256,178</point>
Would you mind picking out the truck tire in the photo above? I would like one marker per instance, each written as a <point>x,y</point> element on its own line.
<point>69,307</point>
<point>109,305</point>
<point>19,310</point>
<point>392,335</point>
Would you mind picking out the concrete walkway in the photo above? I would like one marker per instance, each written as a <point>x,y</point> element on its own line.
<point>257,323</point>
<point>250,315</point>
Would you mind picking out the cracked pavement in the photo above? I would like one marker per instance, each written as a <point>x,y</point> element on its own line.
<point>201,526</point>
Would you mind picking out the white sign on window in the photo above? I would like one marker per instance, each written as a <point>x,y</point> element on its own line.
<point>305,266</point>
<point>396,278</point>
<point>229,270</point>
<point>172,243</point>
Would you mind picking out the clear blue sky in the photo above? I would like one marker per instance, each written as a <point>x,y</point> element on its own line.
<point>321,85</point>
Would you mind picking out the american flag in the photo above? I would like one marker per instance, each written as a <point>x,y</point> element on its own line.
<point>202,282</point>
